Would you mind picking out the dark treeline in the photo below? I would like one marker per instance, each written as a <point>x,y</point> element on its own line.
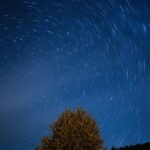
<point>145,146</point>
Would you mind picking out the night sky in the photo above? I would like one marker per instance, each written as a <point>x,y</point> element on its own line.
<point>59,54</point>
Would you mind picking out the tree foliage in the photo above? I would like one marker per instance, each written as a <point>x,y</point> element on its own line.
<point>74,130</point>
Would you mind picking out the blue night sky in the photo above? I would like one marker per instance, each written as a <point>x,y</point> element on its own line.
<point>59,54</point>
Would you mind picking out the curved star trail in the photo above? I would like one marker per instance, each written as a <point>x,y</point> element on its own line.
<point>56,55</point>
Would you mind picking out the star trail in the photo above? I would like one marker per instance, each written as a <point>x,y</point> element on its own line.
<point>59,54</point>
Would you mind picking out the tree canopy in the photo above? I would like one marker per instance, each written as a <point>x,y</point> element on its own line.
<point>74,130</point>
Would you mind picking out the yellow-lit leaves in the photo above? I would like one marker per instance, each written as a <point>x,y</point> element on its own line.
<point>73,131</point>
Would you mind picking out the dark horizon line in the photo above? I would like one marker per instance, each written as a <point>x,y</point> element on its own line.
<point>142,146</point>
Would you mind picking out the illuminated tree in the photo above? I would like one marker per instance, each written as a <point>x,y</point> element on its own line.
<point>74,130</point>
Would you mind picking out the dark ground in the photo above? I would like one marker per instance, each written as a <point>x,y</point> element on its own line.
<point>145,146</point>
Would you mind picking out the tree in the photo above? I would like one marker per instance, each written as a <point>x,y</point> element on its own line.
<point>74,130</point>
